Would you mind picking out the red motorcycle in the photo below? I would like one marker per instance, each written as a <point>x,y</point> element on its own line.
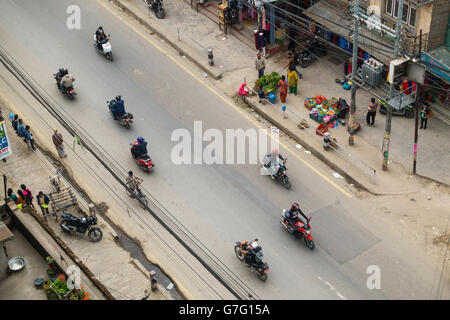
<point>299,230</point>
<point>144,161</point>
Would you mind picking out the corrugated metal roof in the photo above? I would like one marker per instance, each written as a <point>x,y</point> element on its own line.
<point>5,233</point>
<point>335,20</point>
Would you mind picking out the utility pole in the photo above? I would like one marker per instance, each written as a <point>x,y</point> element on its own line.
<point>387,132</point>
<point>354,68</point>
<point>417,110</point>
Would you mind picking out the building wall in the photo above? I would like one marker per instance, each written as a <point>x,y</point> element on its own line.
<point>439,19</point>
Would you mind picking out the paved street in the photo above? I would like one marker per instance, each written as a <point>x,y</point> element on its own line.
<point>219,204</point>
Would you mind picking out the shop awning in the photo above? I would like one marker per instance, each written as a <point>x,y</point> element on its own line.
<point>340,23</point>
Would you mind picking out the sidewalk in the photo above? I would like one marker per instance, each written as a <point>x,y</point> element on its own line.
<point>234,62</point>
<point>124,277</point>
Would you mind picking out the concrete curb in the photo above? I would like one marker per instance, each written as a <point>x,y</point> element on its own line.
<point>125,8</point>
<point>304,143</point>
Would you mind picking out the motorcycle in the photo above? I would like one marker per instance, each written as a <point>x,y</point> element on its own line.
<point>107,48</point>
<point>156,5</point>
<point>69,91</point>
<point>260,267</point>
<point>124,118</point>
<point>144,161</point>
<point>70,224</point>
<point>299,230</point>
<point>313,51</point>
<point>280,176</point>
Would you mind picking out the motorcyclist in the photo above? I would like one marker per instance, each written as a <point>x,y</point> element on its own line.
<point>139,149</point>
<point>292,215</point>
<point>271,161</point>
<point>100,37</point>
<point>66,82</point>
<point>134,182</point>
<point>61,73</point>
<point>117,107</point>
<point>250,257</point>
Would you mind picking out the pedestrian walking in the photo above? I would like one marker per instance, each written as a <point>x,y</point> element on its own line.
<point>283,84</point>
<point>29,137</point>
<point>21,200</point>
<point>14,122</point>
<point>43,200</point>
<point>293,81</point>
<point>28,195</point>
<point>371,112</point>
<point>11,195</point>
<point>262,43</point>
<point>283,108</point>
<point>21,128</point>
<point>425,113</point>
<point>260,65</point>
<point>58,142</point>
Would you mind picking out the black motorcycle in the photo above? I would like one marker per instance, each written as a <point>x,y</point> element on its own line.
<point>261,267</point>
<point>69,91</point>
<point>281,175</point>
<point>70,224</point>
<point>313,51</point>
<point>124,119</point>
<point>156,5</point>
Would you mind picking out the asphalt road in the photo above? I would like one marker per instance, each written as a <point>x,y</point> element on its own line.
<point>220,204</point>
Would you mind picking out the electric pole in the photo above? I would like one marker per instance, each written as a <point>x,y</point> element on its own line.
<point>417,110</point>
<point>354,68</point>
<point>387,132</point>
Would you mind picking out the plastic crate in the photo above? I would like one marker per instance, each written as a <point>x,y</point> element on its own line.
<point>321,129</point>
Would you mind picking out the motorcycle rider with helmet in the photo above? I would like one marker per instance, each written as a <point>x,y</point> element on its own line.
<point>271,161</point>
<point>66,81</point>
<point>292,215</point>
<point>250,257</point>
<point>117,107</point>
<point>100,36</point>
<point>139,149</point>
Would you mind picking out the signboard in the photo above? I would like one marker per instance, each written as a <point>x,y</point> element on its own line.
<point>438,68</point>
<point>5,147</point>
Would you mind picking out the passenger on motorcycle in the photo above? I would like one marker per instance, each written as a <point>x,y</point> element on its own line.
<point>66,82</point>
<point>140,149</point>
<point>117,107</point>
<point>100,37</point>
<point>133,182</point>
<point>61,73</point>
<point>271,161</point>
<point>292,215</point>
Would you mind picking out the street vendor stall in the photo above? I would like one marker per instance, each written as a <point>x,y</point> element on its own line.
<point>269,83</point>
<point>323,111</point>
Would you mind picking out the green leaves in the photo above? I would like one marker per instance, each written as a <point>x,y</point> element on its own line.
<point>269,81</point>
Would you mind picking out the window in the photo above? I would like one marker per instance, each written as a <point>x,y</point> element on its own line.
<point>409,12</point>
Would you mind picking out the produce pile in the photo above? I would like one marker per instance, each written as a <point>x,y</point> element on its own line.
<point>322,110</point>
<point>268,81</point>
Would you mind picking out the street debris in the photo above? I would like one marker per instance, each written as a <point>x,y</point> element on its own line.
<point>298,146</point>
<point>337,175</point>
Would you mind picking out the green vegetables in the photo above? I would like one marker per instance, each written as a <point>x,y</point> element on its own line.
<point>60,287</point>
<point>268,81</point>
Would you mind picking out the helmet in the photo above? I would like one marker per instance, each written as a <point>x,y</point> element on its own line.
<point>295,205</point>
<point>100,28</point>
<point>140,139</point>
<point>275,151</point>
<point>253,245</point>
<point>61,70</point>
<point>130,173</point>
<point>66,71</point>
<point>118,98</point>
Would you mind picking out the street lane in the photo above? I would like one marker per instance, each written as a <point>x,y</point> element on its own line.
<point>219,204</point>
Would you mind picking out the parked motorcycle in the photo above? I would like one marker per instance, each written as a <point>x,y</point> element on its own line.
<point>70,224</point>
<point>260,267</point>
<point>69,91</point>
<point>107,48</point>
<point>314,50</point>
<point>299,230</point>
<point>145,161</point>
<point>156,5</point>
<point>280,176</point>
<point>124,119</point>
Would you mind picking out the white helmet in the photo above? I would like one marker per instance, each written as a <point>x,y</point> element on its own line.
<point>253,245</point>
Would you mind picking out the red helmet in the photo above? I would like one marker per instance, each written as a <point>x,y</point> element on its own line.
<point>275,151</point>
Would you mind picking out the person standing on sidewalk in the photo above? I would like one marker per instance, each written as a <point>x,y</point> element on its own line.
<point>293,81</point>
<point>11,195</point>
<point>28,195</point>
<point>21,129</point>
<point>371,112</point>
<point>283,84</point>
<point>58,142</point>
<point>14,122</point>
<point>29,137</point>
<point>21,200</point>
<point>425,113</point>
<point>260,65</point>
<point>43,201</point>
